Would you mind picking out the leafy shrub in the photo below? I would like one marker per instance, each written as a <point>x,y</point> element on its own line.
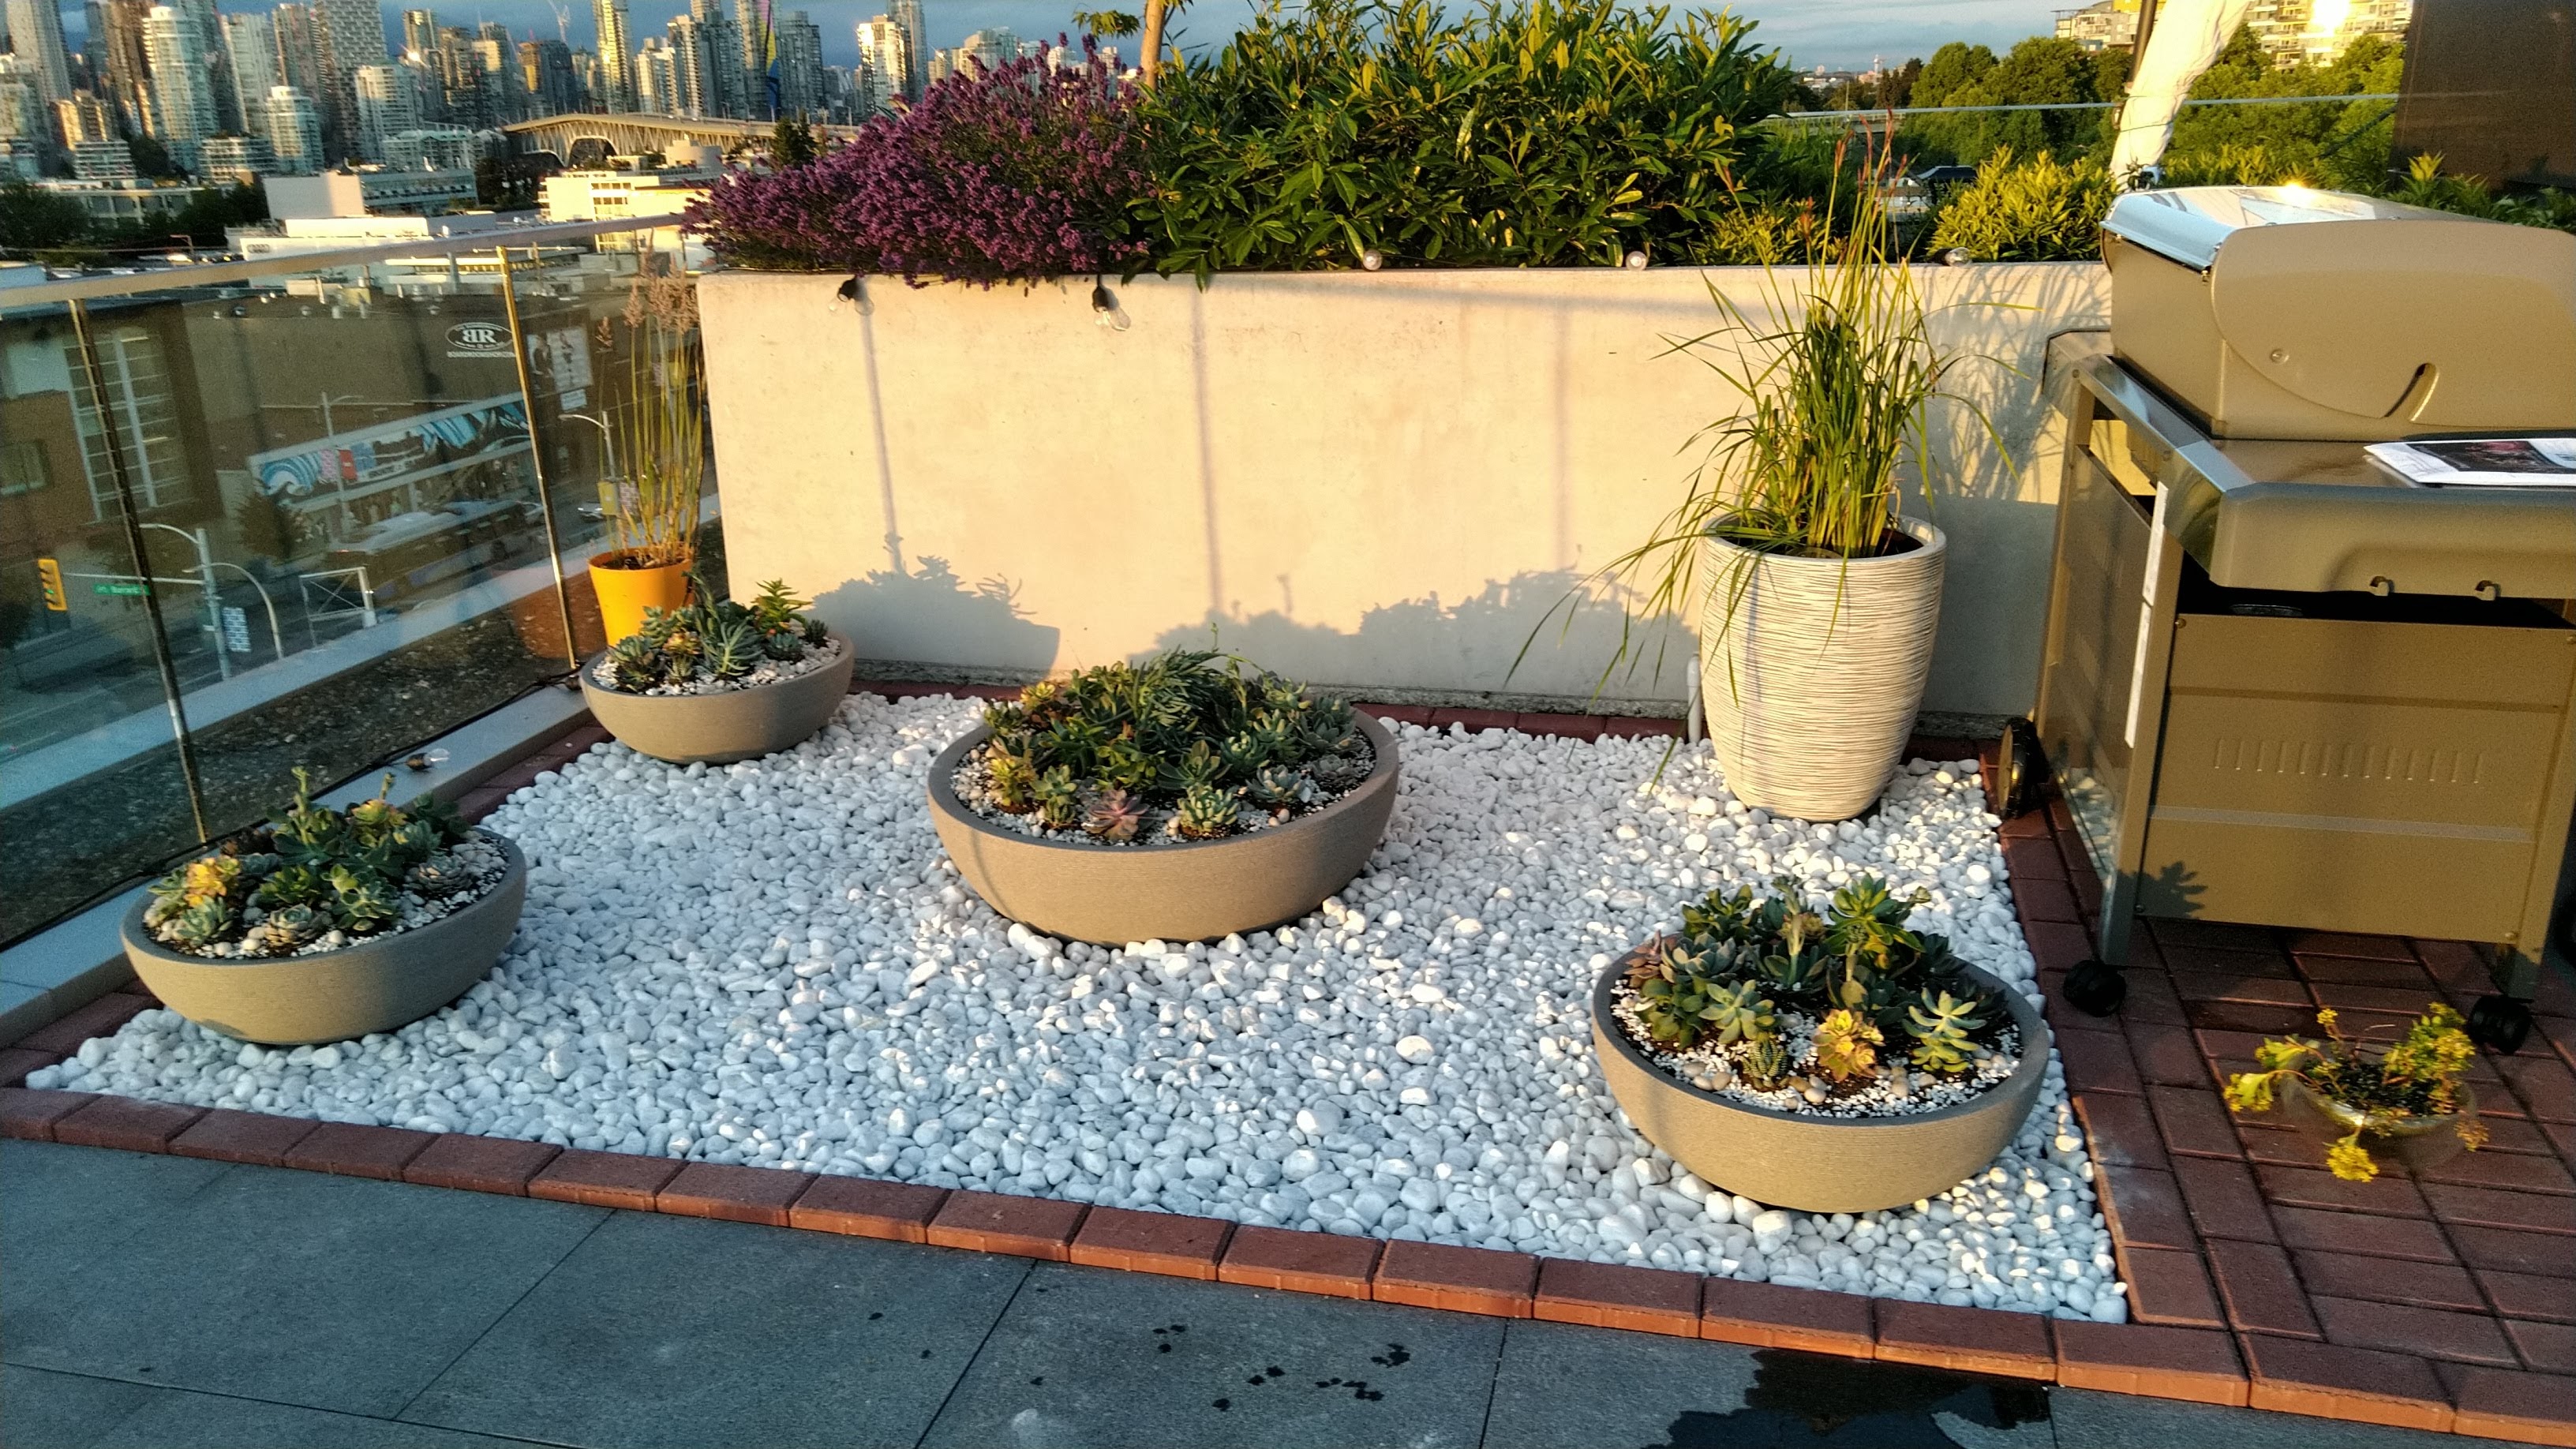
<point>1004,175</point>
<point>1177,740</point>
<point>315,870</point>
<point>1552,133</point>
<point>2039,210</point>
<point>712,641</point>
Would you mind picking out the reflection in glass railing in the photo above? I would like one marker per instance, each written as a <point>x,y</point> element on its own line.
<point>325,485</point>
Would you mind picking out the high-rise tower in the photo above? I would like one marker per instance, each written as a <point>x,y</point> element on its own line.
<point>616,56</point>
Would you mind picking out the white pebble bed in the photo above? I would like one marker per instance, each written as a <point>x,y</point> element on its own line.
<point>774,963</point>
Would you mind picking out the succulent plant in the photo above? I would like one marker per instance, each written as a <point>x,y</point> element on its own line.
<point>1187,724</point>
<point>1278,786</point>
<point>1763,1064</point>
<point>1012,781</point>
<point>1847,1046</point>
<point>436,878</point>
<point>1206,812</point>
<point>1115,817</point>
<point>292,885</point>
<point>1059,799</point>
<point>1795,973</point>
<point>1939,1024</point>
<point>1737,1014</point>
<point>719,640</point>
<point>734,648</point>
<point>360,902</point>
<point>2416,1076</point>
<point>310,871</point>
<point>281,931</point>
<point>204,922</point>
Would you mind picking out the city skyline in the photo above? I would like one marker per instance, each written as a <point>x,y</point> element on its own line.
<point>1834,33</point>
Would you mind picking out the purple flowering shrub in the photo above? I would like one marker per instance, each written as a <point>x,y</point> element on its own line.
<point>1006,176</point>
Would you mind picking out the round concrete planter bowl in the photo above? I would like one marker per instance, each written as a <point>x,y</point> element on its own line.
<point>1820,1164</point>
<point>1182,891</point>
<point>374,984</point>
<point>728,725</point>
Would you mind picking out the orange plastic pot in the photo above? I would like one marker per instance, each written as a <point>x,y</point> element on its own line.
<point>626,590</point>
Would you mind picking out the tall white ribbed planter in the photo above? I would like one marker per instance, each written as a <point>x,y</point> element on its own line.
<point>1811,670</point>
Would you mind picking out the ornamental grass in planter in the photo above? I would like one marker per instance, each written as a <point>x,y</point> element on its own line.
<point>2404,1098</point>
<point>1833,1062</point>
<point>1182,798</point>
<point>659,440</point>
<point>326,924</point>
<point>718,681</point>
<point>1817,598</point>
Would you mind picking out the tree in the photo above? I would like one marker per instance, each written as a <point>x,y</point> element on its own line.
<point>1896,88</point>
<point>33,219</point>
<point>151,158</point>
<point>792,143</point>
<point>1953,68</point>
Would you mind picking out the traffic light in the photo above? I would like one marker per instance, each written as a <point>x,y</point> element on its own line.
<point>49,573</point>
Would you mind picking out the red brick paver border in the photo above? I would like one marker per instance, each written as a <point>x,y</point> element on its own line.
<point>225,1135</point>
<point>1465,1280</point>
<point>994,1222</point>
<point>480,1164</point>
<point>761,1195</point>
<point>863,1207</point>
<point>2165,1363</point>
<point>1324,1263</point>
<point>127,1124</point>
<point>1649,1300</point>
<point>1769,1315</point>
<point>603,1179</point>
<point>1172,1244</point>
<point>352,1150</point>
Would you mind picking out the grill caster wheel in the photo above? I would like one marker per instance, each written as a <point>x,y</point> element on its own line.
<point>2095,989</point>
<point>2500,1024</point>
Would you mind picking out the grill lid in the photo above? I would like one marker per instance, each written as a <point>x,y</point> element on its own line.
<point>2189,223</point>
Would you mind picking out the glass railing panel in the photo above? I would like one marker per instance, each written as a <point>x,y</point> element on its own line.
<point>91,780</point>
<point>355,543</point>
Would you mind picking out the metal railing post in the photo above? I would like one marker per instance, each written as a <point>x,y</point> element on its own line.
<point>537,453</point>
<point>142,567</point>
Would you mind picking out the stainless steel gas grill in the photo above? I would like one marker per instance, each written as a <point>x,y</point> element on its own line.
<point>2283,685</point>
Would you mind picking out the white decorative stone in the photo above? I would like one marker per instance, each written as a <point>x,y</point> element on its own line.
<point>772,962</point>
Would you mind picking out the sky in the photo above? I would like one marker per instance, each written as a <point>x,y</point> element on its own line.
<point>1837,33</point>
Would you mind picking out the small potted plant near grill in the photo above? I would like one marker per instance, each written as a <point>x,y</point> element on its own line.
<point>1182,799</point>
<point>1829,1062</point>
<point>718,681</point>
<point>327,924</point>
<point>2402,1098</point>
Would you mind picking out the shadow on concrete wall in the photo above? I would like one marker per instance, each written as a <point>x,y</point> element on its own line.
<point>926,612</point>
<point>1466,648</point>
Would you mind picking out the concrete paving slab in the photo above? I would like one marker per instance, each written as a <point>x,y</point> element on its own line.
<point>683,1331</point>
<point>1091,1356</point>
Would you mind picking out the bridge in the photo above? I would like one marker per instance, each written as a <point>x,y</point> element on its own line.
<point>591,138</point>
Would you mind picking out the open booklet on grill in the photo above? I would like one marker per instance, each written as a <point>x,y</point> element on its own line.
<point>2481,462</point>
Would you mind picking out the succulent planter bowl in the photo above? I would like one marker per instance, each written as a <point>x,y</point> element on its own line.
<point>727,725</point>
<point>1812,1163</point>
<point>1181,891</point>
<point>373,984</point>
<point>2413,1143</point>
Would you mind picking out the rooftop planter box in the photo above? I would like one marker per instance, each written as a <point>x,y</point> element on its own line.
<point>1374,481</point>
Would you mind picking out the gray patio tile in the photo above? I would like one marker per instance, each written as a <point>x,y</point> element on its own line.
<point>680,1331</point>
<point>1088,1356</point>
<point>1563,1387</point>
<point>330,1292</point>
<point>174,1419</point>
<point>65,1206</point>
<point>2090,1420</point>
<point>40,1410</point>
